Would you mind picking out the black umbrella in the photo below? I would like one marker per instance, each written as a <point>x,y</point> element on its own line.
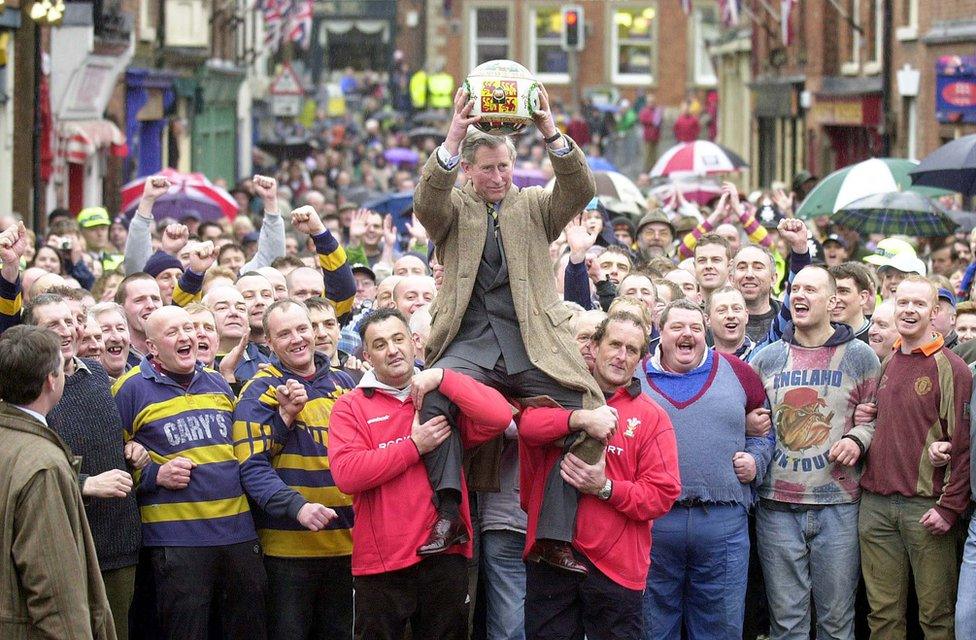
<point>965,219</point>
<point>951,166</point>
<point>287,150</point>
<point>420,133</point>
<point>430,117</point>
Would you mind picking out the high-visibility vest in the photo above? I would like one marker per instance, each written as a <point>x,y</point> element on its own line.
<point>418,89</point>
<point>441,87</point>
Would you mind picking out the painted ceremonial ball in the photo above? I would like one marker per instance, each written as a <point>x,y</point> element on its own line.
<point>505,96</point>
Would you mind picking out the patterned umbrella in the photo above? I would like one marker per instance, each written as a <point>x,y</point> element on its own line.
<point>877,175</point>
<point>189,192</point>
<point>897,213</point>
<point>700,157</point>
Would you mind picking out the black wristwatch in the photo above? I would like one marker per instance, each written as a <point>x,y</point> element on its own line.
<point>552,138</point>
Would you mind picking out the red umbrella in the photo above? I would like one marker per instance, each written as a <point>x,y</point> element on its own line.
<point>700,157</point>
<point>190,192</point>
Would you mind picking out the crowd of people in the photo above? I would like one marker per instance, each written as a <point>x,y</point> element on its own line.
<point>517,415</point>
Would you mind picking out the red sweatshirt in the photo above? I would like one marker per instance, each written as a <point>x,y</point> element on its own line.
<point>374,460</point>
<point>642,461</point>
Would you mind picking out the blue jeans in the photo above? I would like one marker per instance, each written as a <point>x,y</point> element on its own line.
<point>809,551</point>
<point>504,579</point>
<point>699,568</point>
<point>966,597</point>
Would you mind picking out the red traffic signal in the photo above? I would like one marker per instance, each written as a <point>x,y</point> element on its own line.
<point>572,39</point>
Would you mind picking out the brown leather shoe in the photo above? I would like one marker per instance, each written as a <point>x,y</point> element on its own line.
<point>557,554</point>
<point>445,534</point>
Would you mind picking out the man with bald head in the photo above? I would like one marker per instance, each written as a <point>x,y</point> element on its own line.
<point>277,280</point>
<point>413,292</point>
<point>305,283</point>
<point>409,265</point>
<point>196,521</point>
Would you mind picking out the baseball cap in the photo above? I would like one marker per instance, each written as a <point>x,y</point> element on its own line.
<point>945,294</point>
<point>906,263</point>
<point>359,267</point>
<point>802,178</point>
<point>888,249</point>
<point>835,238</point>
<point>91,217</point>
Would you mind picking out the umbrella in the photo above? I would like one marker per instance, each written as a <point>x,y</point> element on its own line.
<point>597,163</point>
<point>522,177</point>
<point>695,189</point>
<point>896,213</point>
<point>401,156</point>
<point>700,157</point>
<point>190,192</point>
<point>877,175</point>
<point>952,166</point>
<point>430,117</point>
<point>616,186</point>
<point>965,219</point>
<point>391,203</point>
<point>419,133</point>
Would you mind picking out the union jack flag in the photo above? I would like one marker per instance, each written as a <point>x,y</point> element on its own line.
<point>275,14</point>
<point>686,7</point>
<point>785,21</point>
<point>300,25</point>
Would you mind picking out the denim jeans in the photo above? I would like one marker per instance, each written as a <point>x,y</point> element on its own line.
<point>504,578</point>
<point>894,541</point>
<point>804,552</point>
<point>698,575</point>
<point>966,598</point>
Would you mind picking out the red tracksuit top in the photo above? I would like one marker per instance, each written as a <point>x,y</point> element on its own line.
<point>374,460</point>
<point>642,461</point>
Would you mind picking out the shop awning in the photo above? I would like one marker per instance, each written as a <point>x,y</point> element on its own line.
<point>81,139</point>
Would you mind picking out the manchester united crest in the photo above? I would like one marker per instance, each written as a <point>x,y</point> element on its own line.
<point>923,384</point>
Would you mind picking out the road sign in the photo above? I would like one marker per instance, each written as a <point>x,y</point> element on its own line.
<point>286,83</point>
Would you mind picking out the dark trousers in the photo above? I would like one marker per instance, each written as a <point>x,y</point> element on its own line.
<point>309,598</point>
<point>558,516</point>
<point>119,586</point>
<point>562,605</point>
<point>431,596</point>
<point>189,580</point>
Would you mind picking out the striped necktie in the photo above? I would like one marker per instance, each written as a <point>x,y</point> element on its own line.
<point>494,216</point>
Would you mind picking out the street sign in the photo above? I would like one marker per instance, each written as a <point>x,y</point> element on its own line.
<point>286,105</point>
<point>286,83</point>
<point>573,31</point>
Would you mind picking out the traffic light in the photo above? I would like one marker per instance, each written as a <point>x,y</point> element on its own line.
<point>572,28</point>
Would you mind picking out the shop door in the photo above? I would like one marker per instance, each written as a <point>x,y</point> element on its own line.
<point>215,143</point>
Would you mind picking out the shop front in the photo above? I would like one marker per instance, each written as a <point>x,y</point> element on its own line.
<point>215,123</point>
<point>778,149</point>
<point>149,100</point>
<point>849,124</point>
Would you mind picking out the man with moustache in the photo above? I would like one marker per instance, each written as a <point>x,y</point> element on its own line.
<point>807,516</point>
<point>908,505</point>
<point>700,557</point>
<point>97,440</point>
<point>634,482</point>
<point>281,426</point>
<point>376,444</point>
<point>196,521</point>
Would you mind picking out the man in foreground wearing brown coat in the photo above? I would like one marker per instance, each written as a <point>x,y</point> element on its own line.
<point>52,587</point>
<point>497,317</point>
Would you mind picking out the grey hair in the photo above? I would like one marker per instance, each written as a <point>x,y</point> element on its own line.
<point>476,139</point>
<point>105,307</point>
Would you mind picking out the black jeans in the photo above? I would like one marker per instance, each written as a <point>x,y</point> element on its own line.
<point>190,580</point>
<point>431,596</point>
<point>562,605</point>
<point>309,598</point>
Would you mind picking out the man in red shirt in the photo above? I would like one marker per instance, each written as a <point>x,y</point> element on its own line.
<point>650,118</point>
<point>908,506</point>
<point>687,128</point>
<point>376,443</point>
<point>634,482</point>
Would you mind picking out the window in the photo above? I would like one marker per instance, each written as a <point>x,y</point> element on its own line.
<point>148,12</point>
<point>852,64</point>
<point>548,60</point>
<point>706,30</point>
<point>633,44</point>
<point>489,35</point>
<point>908,22</point>
<point>874,36</point>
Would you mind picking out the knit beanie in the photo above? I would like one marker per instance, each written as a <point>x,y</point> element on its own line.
<point>161,261</point>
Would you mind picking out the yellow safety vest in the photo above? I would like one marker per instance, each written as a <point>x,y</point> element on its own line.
<point>418,89</point>
<point>441,87</point>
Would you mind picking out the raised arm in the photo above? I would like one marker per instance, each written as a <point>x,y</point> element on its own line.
<point>340,285</point>
<point>13,243</point>
<point>271,240</point>
<point>138,243</point>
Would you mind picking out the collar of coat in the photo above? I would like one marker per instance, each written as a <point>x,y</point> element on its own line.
<point>17,420</point>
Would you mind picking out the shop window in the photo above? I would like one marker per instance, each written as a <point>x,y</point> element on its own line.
<point>187,24</point>
<point>907,27</point>
<point>148,17</point>
<point>547,59</point>
<point>874,36</point>
<point>633,44</point>
<point>490,38</point>
<point>705,29</point>
<point>852,62</point>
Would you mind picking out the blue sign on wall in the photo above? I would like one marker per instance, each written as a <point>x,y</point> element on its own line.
<point>955,89</point>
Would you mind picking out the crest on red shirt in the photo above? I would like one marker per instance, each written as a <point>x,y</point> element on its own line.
<point>632,423</point>
<point>923,385</point>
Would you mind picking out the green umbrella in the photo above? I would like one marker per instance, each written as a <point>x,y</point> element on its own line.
<point>877,175</point>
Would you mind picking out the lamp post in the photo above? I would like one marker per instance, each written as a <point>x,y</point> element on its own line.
<point>42,13</point>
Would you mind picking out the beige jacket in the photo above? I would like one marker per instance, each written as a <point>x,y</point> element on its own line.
<point>51,586</point>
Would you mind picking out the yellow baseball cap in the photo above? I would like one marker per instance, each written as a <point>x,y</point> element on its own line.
<point>90,217</point>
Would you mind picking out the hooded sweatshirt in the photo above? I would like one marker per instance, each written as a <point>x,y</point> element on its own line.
<point>812,392</point>
<point>374,459</point>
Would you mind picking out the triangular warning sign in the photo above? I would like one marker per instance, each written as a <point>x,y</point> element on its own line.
<point>286,83</point>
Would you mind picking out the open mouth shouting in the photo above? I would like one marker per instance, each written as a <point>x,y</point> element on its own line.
<point>800,309</point>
